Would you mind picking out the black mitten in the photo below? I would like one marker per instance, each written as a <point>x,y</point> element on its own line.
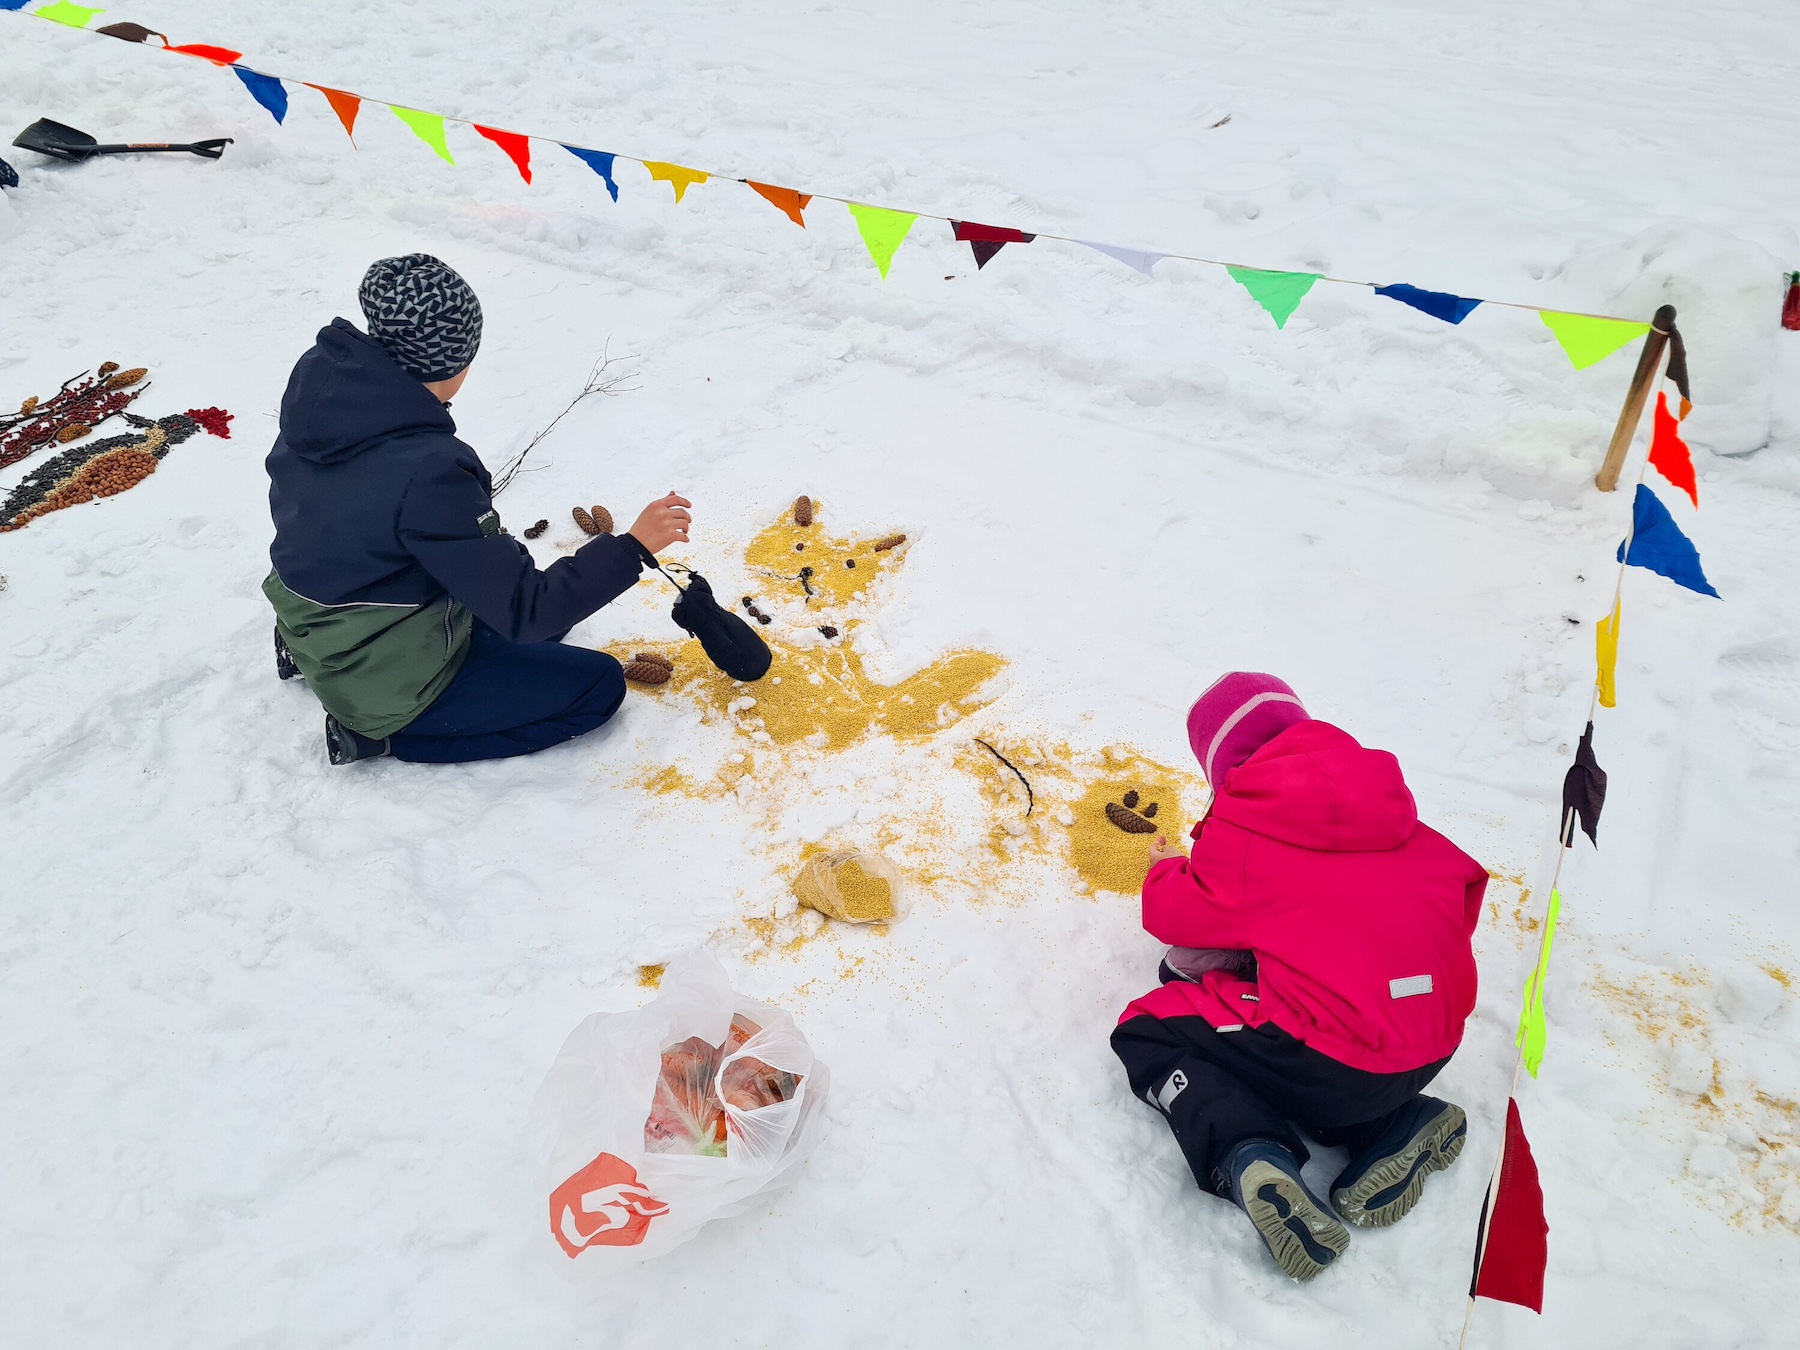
<point>730,644</point>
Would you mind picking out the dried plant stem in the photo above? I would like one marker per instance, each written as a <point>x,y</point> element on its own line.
<point>598,382</point>
<point>1030,796</point>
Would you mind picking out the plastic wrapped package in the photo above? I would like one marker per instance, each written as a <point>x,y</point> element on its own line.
<point>652,1123</point>
<point>852,887</point>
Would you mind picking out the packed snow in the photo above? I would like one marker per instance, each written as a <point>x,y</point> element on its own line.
<point>270,1030</point>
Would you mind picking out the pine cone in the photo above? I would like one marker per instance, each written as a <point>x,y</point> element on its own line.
<point>107,368</point>
<point>1131,798</point>
<point>602,519</point>
<point>126,378</point>
<point>28,404</point>
<point>533,531</point>
<point>73,432</point>
<point>1129,821</point>
<point>585,521</point>
<point>803,510</point>
<point>1150,811</point>
<point>892,541</point>
<point>655,659</point>
<point>828,631</point>
<point>647,672</point>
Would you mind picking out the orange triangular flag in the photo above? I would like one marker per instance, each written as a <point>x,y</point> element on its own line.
<point>1669,454</point>
<point>517,148</point>
<point>785,200</point>
<point>219,56</point>
<point>346,106</point>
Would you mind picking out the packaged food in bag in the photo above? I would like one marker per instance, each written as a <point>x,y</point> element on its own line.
<point>852,887</point>
<point>653,1122</point>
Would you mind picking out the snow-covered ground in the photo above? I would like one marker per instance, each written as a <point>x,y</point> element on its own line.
<point>269,1030</point>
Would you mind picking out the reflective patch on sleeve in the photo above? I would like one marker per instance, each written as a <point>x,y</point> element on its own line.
<point>1412,984</point>
<point>1171,1089</point>
<point>489,523</point>
<point>1235,1026</point>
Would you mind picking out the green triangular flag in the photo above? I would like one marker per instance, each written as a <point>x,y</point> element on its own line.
<point>1278,292</point>
<point>1589,340</point>
<point>428,127</point>
<point>76,16</point>
<point>1532,1031</point>
<point>881,230</point>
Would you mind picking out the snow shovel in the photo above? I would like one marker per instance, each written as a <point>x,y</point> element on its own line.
<point>61,142</point>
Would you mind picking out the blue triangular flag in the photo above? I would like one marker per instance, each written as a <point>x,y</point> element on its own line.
<point>1658,543</point>
<point>266,90</point>
<point>1438,304</point>
<point>600,162</point>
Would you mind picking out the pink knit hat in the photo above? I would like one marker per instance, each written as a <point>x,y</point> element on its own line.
<point>1238,715</point>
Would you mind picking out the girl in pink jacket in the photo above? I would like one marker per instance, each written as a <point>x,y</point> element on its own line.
<point>1320,975</point>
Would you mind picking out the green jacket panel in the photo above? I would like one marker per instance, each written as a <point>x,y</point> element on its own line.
<point>374,667</point>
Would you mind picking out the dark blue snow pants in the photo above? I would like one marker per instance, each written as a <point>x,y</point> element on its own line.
<point>513,698</point>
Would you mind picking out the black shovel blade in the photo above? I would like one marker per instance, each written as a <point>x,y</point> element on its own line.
<point>54,139</point>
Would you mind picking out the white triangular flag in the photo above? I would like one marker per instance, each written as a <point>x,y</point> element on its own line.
<point>1133,258</point>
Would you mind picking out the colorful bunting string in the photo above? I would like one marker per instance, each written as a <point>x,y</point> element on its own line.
<point>1657,543</point>
<point>1606,655</point>
<point>1513,1251</point>
<point>1585,338</point>
<point>1669,454</point>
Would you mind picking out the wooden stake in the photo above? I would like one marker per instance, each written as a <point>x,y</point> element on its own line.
<point>1649,362</point>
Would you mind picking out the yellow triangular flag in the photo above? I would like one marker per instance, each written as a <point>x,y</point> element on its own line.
<point>1586,340</point>
<point>428,127</point>
<point>75,16</point>
<point>675,176</point>
<point>1606,645</point>
<point>881,231</point>
<point>1532,1030</point>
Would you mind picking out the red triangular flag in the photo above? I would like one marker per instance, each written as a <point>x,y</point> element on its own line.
<point>785,200</point>
<point>219,56</point>
<point>1511,1255</point>
<point>985,241</point>
<point>1669,454</point>
<point>346,106</point>
<point>517,148</point>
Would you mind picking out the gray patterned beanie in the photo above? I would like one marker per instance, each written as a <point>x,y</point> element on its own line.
<point>423,313</point>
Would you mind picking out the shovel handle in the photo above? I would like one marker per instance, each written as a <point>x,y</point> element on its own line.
<point>210,149</point>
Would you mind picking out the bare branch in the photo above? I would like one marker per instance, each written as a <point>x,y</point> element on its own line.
<point>598,382</point>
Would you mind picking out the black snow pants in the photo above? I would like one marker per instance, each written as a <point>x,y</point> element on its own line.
<point>1218,1088</point>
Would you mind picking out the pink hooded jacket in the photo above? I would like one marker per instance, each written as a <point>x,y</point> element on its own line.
<point>1313,858</point>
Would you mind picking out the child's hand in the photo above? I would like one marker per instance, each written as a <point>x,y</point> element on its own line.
<point>662,523</point>
<point>1162,850</point>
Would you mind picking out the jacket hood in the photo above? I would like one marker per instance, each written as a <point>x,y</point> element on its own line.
<point>1314,787</point>
<point>347,395</point>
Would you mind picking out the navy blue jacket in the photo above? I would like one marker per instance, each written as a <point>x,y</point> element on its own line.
<point>376,502</point>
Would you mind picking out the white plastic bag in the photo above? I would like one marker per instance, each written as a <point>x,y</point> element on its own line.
<point>610,1194</point>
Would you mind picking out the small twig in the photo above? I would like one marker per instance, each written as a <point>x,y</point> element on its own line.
<point>597,383</point>
<point>1030,796</point>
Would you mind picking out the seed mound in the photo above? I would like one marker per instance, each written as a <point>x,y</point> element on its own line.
<point>1129,821</point>
<point>533,531</point>
<point>647,672</point>
<point>602,519</point>
<point>584,521</point>
<point>892,541</point>
<point>803,510</point>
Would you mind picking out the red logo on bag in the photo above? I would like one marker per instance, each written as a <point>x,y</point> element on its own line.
<point>602,1205</point>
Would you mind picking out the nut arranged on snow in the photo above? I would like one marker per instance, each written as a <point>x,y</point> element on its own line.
<point>655,659</point>
<point>647,672</point>
<point>755,613</point>
<point>126,378</point>
<point>803,510</point>
<point>1131,798</point>
<point>73,432</point>
<point>892,541</point>
<point>585,521</point>
<point>533,531</point>
<point>602,518</point>
<point>1129,821</point>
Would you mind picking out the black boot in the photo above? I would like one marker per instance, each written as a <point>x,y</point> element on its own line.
<point>284,659</point>
<point>345,746</point>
